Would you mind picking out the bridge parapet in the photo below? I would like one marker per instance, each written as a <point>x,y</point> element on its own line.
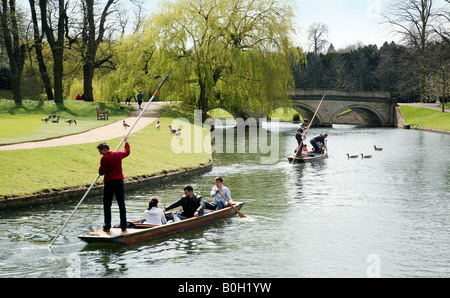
<point>339,94</point>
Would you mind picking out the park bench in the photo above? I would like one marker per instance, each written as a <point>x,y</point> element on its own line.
<point>102,115</point>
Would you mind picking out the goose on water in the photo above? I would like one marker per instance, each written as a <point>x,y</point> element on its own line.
<point>366,156</point>
<point>352,156</point>
<point>377,148</point>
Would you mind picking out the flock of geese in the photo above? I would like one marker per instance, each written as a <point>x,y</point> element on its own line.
<point>54,118</point>
<point>364,156</point>
<point>174,131</point>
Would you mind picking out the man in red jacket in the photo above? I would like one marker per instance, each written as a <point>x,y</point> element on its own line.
<point>111,167</point>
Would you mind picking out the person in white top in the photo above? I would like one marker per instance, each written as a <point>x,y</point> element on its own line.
<point>154,215</point>
<point>219,202</point>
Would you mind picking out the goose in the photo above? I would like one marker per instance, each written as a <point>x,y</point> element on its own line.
<point>178,133</point>
<point>70,121</point>
<point>366,156</point>
<point>125,125</point>
<point>377,148</point>
<point>172,130</point>
<point>47,119</point>
<point>352,156</point>
<point>56,120</point>
<point>158,126</point>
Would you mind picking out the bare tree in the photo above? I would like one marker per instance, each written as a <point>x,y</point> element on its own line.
<point>9,31</point>
<point>317,36</point>
<point>38,49</point>
<point>91,40</point>
<point>48,9</point>
<point>415,20</point>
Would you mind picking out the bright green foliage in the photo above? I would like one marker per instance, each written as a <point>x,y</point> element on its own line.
<point>234,54</point>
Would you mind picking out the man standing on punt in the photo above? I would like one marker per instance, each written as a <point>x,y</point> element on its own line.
<point>111,167</point>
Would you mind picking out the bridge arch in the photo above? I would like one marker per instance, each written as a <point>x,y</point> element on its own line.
<point>308,113</point>
<point>369,116</point>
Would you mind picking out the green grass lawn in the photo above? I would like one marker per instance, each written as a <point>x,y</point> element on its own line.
<point>280,113</point>
<point>26,128</point>
<point>23,123</point>
<point>426,118</point>
<point>26,172</point>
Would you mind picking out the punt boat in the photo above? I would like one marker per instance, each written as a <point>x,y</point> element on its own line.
<point>311,157</point>
<point>143,232</point>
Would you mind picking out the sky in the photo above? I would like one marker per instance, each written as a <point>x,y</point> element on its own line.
<point>349,21</point>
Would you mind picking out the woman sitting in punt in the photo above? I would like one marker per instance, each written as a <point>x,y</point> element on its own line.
<point>154,215</point>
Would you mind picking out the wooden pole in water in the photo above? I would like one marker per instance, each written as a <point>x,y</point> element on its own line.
<point>118,147</point>
<point>309,126</point>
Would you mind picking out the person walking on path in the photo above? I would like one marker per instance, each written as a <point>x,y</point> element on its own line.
<point>140,98</point>
<point>111,168</point>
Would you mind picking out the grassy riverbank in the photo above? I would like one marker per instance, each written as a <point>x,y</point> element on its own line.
<point>23,124</point>
<point>426,118</point>
<point>43,170</point>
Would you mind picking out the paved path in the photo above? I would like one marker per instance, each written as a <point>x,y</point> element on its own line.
<point>99,134</point>
<point>426,105</point>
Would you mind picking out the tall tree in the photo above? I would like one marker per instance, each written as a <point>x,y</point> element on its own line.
<point>317,36</point>
<point>239,50</point>
<point>414,19</point>
<point>15,49</point>
<point>56,42</point>
<point>91,40</point>
<point>38,49</point>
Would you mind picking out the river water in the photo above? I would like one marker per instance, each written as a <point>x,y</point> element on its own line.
<point>387,216</point>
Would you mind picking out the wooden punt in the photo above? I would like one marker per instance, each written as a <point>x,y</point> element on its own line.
<point>312,157</point>
<point>145,232</point>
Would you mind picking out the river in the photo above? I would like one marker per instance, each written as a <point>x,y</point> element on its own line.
<point>381,217</point>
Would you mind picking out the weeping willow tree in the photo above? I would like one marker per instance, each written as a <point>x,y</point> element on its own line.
<point>234,54</point>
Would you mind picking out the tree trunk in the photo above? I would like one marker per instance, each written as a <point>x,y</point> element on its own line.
<point>56,45</point>
<point>91,44</point>
<point>16,86</point>
<point>16,52</point>
<point>203,101</point>
<point>40,58</point>
<point>88,76</point>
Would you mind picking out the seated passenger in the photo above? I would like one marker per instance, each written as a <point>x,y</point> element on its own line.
<point>217,191</point>
<point>192,205</point>
<point>153,215</point>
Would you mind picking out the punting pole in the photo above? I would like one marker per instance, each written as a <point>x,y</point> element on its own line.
<point>118,147</point>
<point>309,126</point>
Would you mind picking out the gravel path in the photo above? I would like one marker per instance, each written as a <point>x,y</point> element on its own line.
<point>99,134</point>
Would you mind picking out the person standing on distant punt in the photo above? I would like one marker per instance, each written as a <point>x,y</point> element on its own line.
<point>153,215</point>
<point>192,205</point>
<point>111,168</point>
<point>319,143</point>
<point>219,202</point>
<point>140,98</point>
<point>299,135</point>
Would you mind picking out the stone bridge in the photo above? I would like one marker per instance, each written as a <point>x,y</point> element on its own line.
<point>368,108</point>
